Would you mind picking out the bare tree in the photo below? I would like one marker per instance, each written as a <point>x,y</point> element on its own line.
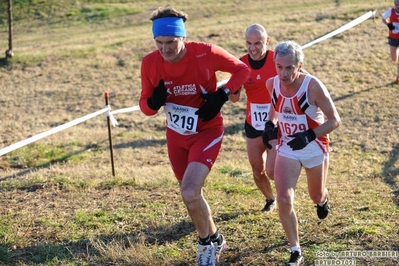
<point>9,52</point>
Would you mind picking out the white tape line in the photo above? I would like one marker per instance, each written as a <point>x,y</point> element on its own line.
<point>25,142</point>
<point>119,111</point>
<point>341,29</point>
<point>125,110</point>
<point>329,35</point>
<point>221,83</point>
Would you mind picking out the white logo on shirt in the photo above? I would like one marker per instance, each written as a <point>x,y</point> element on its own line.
<point>186,89</point>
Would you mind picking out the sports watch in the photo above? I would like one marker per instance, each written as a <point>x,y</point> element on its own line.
<point>227,91</point>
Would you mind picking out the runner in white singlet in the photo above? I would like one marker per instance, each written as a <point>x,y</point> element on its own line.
<point>301,102</point>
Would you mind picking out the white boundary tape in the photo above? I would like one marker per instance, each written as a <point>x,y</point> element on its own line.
<point>126,110</point>
<point>25,142</point>
<point>107,109</point>
<point>343,28</point>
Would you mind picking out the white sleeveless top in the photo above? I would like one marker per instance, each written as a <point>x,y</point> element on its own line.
<point>295,114</point>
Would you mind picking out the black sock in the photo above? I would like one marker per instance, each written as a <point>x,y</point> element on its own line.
<point>215,237</point>
<point>205,241</point>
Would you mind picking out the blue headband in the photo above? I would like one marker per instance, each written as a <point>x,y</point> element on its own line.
<point>169,26</point>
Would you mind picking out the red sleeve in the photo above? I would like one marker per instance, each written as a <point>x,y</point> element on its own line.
<point>147,83</point>
<point>226,62</point>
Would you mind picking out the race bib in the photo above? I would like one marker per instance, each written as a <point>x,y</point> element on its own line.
<point>291,124</point>
<point>181,119</point>
<point>396,29</point>
<point>259,115</point>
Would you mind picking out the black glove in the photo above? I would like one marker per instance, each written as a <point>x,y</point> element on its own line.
<point>213,103</point>
<point>390,26</point>
<point>158,97</point>
<point>301,139</point>
<point>269,133</point>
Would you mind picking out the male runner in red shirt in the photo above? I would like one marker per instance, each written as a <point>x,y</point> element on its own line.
<point>181,77</point>
<point>260,59</point>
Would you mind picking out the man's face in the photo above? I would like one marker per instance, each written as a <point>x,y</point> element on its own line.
<point>287,69</point>
<point>256,45</point>
<point>170,47</point>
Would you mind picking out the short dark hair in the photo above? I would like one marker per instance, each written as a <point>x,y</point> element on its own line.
<point>168,11</point>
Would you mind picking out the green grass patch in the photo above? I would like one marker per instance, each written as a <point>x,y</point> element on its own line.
<point>39,155</point>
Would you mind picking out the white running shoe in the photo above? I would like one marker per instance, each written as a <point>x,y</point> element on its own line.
<point>206,255</point>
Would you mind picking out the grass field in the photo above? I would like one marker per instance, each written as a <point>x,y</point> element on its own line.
<point>60,204</point>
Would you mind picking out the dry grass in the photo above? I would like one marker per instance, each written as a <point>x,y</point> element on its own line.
<point>60,205</point>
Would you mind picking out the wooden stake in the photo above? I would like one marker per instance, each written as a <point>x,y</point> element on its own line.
<point>106,95</point>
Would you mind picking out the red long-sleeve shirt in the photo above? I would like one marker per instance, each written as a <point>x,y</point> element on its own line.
<point>193,74</point>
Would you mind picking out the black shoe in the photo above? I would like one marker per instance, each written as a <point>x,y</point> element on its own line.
<point>269,206</point>
<point>296,259</point>
<point>322,211</point>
